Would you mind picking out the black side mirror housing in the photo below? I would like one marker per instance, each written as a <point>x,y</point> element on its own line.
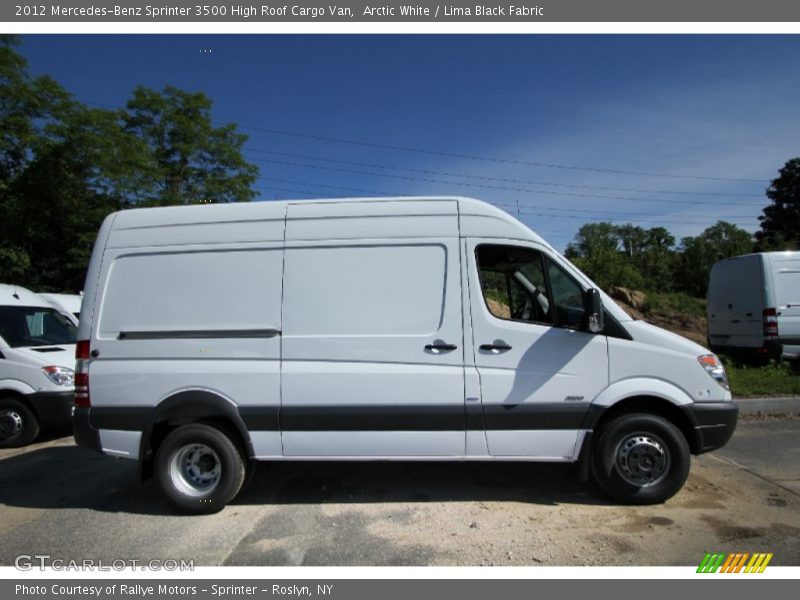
<point>593,308</point>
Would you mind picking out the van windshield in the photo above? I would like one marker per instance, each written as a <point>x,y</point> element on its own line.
<point>35,326</point>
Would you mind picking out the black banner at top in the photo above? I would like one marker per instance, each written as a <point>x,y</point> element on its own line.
<point>176,11</point>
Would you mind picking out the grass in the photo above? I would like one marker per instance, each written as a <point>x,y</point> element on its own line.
<point>678,303</point>
<point>773,379</point>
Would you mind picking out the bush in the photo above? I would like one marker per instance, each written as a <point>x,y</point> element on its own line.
<point>674,303</point>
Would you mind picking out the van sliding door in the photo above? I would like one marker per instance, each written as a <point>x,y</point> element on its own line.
<point>372,347</point>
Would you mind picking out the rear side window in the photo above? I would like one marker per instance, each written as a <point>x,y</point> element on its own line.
<point>364,290</point>
<point>22,326</point>
<point>222,290</point>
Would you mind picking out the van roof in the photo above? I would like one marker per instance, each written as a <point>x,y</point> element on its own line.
<point>14,295</point>
<point>276,209</point>
<point>774,253</point>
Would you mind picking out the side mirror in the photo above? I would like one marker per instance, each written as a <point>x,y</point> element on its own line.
<point>593,308</point>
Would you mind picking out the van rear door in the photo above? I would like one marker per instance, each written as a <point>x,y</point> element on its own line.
<point>736,302</point>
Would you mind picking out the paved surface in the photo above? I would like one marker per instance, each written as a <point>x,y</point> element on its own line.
<point>782,405</point>
<point>60,500</point>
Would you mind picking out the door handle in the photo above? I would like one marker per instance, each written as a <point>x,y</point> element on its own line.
<point>440,347</point>
<point>495,347</point>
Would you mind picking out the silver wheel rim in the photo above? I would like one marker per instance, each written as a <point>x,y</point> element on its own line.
<point>11,424</point>
<point>642,459</point>
<point>195,470</point>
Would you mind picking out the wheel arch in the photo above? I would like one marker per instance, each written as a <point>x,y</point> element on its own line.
<point>192,406</point>
<point>15,394</point>
<point>645,395</point>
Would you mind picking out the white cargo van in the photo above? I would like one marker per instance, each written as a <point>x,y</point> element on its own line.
<point>393,329</point>
<point>37,357</point>
<point>754,305</point>
<point>67,304</point>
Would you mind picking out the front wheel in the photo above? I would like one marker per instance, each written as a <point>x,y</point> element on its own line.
<point>18,424</point>
<point>641,459</point>
<point>199,469</point>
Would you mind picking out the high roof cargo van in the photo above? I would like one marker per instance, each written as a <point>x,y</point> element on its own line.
<point>213,336</point>
<point>67,304</point>
<point>37,358</point>
<point>754,305</point>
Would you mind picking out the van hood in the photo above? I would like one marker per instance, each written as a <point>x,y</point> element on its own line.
<point>60,355</point>
<point>650,334</point>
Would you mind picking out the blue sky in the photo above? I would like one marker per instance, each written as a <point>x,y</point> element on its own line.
<point>673,131</point>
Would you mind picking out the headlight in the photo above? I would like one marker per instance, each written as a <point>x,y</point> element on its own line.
<point>714,368</point>
<point>60,375</point>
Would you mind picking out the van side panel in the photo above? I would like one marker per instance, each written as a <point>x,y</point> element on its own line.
<point>201,316</point>
<point>357,379</point>
<point>785,274</point>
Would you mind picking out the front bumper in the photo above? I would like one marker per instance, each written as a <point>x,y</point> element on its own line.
<point>52,408</point>
<point>713,424</point>
<point>86,436</point>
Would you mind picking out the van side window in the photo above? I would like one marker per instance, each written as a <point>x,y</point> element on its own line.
<point>513,283</point>
<point>567,297</point>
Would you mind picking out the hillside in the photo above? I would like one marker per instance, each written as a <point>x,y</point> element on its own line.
<point>675,312</point>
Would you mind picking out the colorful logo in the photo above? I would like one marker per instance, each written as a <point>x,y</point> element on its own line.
<point>734,562</point>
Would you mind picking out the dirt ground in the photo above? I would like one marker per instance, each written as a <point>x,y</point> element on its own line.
<point>64,501</point>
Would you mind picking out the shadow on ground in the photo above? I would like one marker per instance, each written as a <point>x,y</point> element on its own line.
<point>71,477</point>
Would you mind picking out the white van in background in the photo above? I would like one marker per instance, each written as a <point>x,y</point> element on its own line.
<point>37,358</point>
<point>754,305</point>
<point>68,304</point>
<point>393,329</point>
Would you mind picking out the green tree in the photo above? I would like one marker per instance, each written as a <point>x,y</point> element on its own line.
<point>780,223</point>
<point>27,106</point>
<point>194,161</point>
<point>86,167</point>
<point>698,254</point>
<point>597,250</point>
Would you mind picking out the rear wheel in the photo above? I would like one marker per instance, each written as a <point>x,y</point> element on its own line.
<point>199,468</point>
<point>641,459</point>
<point>18,424</point>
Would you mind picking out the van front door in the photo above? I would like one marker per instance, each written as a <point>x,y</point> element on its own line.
<point>372,349</point>
<point>538,369</point>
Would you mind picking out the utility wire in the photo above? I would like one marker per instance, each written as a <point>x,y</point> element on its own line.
<point>501,179</point>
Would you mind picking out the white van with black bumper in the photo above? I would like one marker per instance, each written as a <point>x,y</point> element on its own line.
<point>393,329</point>
<point>37,357</point>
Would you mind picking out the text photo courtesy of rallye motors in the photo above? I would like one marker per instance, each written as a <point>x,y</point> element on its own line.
<point>214,336</point>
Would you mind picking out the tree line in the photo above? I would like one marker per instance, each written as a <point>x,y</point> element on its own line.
<point>653,260</point>
<point>65,165</point>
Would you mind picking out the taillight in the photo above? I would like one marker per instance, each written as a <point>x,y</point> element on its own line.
<point>770,323</point>
<point>82,374</point>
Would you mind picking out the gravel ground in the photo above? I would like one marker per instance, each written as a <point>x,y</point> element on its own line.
<point>61,500</point>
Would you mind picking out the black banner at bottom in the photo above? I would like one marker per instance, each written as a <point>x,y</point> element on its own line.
<point>390,589</point>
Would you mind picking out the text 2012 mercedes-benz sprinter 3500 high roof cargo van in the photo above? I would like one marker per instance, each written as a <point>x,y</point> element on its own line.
<point>391,329</point>
<point>37,350</point>
<point>754,305</point>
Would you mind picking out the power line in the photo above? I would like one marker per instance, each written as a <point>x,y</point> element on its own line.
<point>489,178</point>
<point>514,207</point>
<point>476,157</point>
<point>478,185</point>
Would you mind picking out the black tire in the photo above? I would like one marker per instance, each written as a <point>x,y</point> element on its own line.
<point>641,459</point>
<point>199,469</point>
<point>18,425</point>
